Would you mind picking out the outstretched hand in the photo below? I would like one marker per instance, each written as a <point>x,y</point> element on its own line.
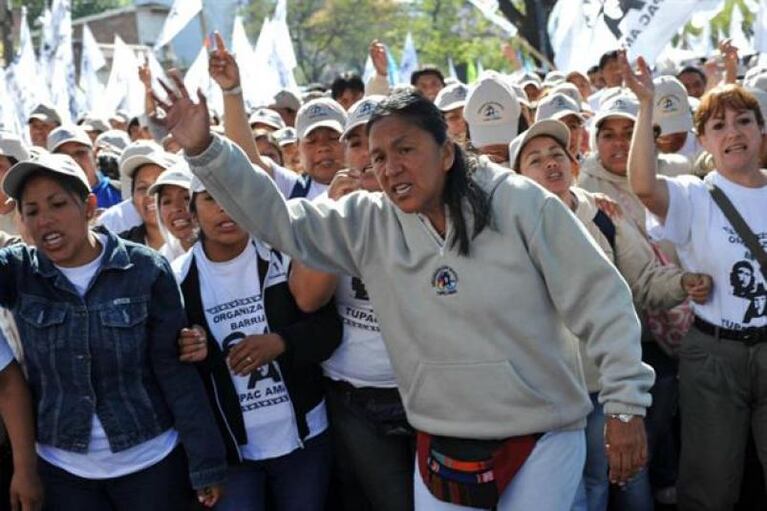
<point>222,66</point>
<point>639,81</point>
<point>188,122</point>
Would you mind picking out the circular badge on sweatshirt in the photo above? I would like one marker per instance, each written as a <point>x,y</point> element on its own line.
<point>445,281</point>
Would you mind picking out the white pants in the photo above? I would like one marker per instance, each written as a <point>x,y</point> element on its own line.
<point>546,482</point>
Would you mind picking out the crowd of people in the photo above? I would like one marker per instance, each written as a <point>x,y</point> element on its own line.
<point>539,290</point>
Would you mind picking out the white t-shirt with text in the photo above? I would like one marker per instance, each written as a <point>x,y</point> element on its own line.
<point>232,298</point>
<point>707,243</point>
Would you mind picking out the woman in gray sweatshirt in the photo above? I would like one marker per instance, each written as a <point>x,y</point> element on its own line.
<point>480,280</point>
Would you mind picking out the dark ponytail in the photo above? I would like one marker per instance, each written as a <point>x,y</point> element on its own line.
<point>459,188</point>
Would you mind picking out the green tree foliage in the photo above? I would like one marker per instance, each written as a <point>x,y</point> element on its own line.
<point>330,36</point>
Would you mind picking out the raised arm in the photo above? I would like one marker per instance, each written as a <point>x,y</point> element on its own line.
<point>224,70</point>
<point>330,236</point>
<point>643,159</point>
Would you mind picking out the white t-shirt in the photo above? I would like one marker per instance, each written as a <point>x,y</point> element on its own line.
<point>233,302</point>
<point>286,179</point>
<point>120,217</point>
<point>361,359</point>
<point>100,462</point>
<point>6,354</point>
<point>707,243</point>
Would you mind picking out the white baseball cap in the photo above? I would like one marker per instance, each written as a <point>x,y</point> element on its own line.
<point>285,136</point>
<point>568,89</point>
<point>492,111</point>
<point>553,78</point>
<point>129,165</point>
<point>623,105</point>
<point>137,148</point>
<point>528,78</point>
<point>320,113</point>
<point>451,97</point>
<point>360,113</point>
<point>268,117</point>
<point>67,133</point>
<point>113,141</point>
<point>671,109</point>
<point>61,164</point>
<point>179,174</point>
<point>47,113</point>
<point>520,92</point>
<point>549,127</point>
<point>286,98</point>
<point>556,106</point>
<point>12,146</point>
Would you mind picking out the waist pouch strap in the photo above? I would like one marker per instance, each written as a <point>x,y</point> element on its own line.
<point>471,473</point>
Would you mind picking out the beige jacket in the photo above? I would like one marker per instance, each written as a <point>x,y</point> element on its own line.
<point>595,178</point>
<point>652,285</point>
<point>482,346</point>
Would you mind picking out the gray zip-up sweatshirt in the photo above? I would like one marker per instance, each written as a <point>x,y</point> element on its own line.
<point>483,345</point>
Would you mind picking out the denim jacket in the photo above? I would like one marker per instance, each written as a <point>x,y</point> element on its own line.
<point>112,352</point>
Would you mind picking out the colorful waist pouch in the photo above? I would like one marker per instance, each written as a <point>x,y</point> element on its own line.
<point>471,473</point>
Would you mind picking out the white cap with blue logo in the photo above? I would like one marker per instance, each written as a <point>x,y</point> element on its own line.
<point>360,113</point>
<point>492,111</point>
<point>320,113</point>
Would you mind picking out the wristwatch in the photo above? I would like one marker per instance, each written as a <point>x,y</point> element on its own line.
<point>623,417</point>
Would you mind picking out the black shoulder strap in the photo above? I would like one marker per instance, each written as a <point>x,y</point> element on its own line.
<point>301,188</point>
<point>740,226</point>
<point>606,226</point>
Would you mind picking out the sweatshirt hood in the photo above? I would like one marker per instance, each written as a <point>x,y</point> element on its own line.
<point>593,167</point>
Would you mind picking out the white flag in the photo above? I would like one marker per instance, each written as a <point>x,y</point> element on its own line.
<point>409,61</point>
<point>62,66</point>
<point>760,29</point>
<point>451,69</point>
<point>91,60</point>
<point>179,16</point>
<point>489,9</point>
<point>643,27</point>
<point>283,57</point>
<point>198,77</point>
<point>369,71</point>
<point>23,80</point>
<point>259,83</point>
<point>739,39</point>
<point>124,89</point>
<point>9,115</point>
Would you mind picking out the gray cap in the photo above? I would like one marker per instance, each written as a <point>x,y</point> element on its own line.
<point>320,113</point>
<point>68,133</point>
<point>120,116</point>
<point>267,116</point>
<point>286,99</point>
<point>179,174</point>
<point>555,129</point>
<point>360,113</point>
<point>556,106</point>
<point>529,78</point>
<point>452,97</point>
<point>54,163</point>
<point>47,113</point>
<point>285,136</point>
<point>12,146</point>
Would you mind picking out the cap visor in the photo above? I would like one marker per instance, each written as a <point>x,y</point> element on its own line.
<point>492,135</point>
<point>329,123</point>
